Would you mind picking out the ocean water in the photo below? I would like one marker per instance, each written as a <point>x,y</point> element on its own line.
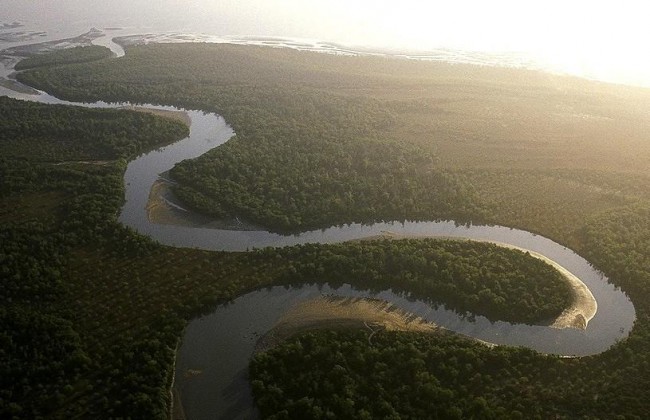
<point>558,39</point>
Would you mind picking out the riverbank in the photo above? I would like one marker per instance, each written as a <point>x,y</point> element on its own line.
<point>17,87</point>
<point>578,315</point>
<point>130,274</point>
<point>162,210</point>
<point>159,210</point>
<point>175,403</point>
<point>181,116</point>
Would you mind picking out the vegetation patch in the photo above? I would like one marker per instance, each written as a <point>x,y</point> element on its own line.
<point>466,276</point>
<point>66,56</point>
<point>47,211</point>
<point>52,133</point>
<point>325,140</point>
<point>342,374</point>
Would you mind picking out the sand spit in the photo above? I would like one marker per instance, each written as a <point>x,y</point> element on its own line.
<point>181,116</point>
<point>159,210</point>
<point>584,305</point>
<point>18,87</point>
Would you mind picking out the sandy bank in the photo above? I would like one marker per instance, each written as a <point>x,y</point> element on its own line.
<point>18,87</point>
<point>161,210</point>
<point>584,305</point>
<point>583,308</point>
<point>334,312</point>
<point>180,116</point>
<point>158,208</point>
<point>337,312</point>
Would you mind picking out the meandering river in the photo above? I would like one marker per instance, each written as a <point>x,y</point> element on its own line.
<point>213,357</point>
<point>214,354</point>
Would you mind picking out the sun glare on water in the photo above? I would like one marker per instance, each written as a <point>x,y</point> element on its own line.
<point>605,40</point>
<point>598,39</point>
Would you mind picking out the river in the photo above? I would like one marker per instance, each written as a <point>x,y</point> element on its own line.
<point>213,357</point>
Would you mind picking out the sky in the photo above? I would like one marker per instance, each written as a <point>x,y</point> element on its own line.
<point>597,39</point>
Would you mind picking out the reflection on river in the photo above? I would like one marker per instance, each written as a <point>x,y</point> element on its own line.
<point>213,357</point>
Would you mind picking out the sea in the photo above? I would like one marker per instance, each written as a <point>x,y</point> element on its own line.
<point>324,26</point>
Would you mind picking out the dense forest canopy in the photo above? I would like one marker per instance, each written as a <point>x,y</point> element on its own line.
<point>562,157</point>
<point>338,374</point>
<point>468,277</point>
<point>53,134</point>
<point>65,56</point>
<point>61,186</point>
<point>324,139</point>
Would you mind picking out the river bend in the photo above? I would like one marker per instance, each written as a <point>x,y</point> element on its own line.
<point>218,346</point>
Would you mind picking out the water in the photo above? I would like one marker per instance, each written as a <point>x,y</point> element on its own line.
<point>219,345</point>
<point>537,35</point>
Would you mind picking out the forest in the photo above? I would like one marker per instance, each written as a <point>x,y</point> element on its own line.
<point>466,276</point>
<point>337,374</point>
<point>502,146</point>
<point>325,140</point>
<point>65,56</point>
<point>52,134</point>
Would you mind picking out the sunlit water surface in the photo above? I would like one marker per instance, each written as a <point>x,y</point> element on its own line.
<point>602,40</point>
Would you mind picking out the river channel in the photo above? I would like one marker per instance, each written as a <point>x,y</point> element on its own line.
<point>213,357</point>
<point>211,369</point>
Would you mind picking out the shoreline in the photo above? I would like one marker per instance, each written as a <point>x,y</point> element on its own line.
<point>175,410</point>
<point>162,209</point>
<point>582,310</point>
<point>568,320</point>
<point>339,312</point>
<point>335,312</point>
<point>578,315</point>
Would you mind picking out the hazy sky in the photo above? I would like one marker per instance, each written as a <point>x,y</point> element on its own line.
<point>596,37</point>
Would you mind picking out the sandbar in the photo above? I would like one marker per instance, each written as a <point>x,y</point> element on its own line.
<point>181,116</point>
<point>336,312</point>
